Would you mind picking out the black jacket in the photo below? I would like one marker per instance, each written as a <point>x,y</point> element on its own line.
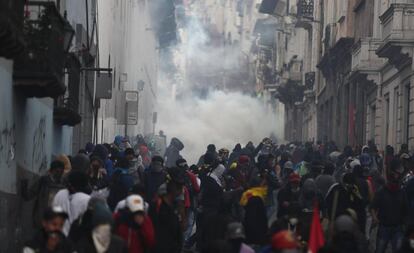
<point>168,233</point>
<point>39,244</point>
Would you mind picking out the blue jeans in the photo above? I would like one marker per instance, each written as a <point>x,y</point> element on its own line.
<point>189,230</point>
<point>387,234</point>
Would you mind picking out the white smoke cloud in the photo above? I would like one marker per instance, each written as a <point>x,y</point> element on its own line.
<point>222,118</point>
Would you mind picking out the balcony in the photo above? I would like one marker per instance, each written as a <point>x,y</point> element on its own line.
<point>305,14</point>
<point>397,34</point>
<point>66,109</point>
<point>11,23</point>
<point>365,61</point>
<point>38,72</point>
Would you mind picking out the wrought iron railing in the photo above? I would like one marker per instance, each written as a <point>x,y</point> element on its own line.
<point>44,58</point>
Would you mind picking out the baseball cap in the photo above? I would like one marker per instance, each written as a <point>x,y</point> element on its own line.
<point>135,203</point>
<point>53,212</point>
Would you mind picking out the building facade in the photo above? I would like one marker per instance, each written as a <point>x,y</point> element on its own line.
<point>40,97</point>
<point>342,69</point>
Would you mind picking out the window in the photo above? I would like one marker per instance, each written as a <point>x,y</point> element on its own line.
<point>372,116</point>
<point>407,90</point>
<point>387,117</point>
<point>396,116</point>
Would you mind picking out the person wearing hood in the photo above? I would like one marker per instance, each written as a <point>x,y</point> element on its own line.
<point>235,154</point>
<point>168,230</point>
<point>154,177</point>
<point>43,190</point>
<point>80,162</point>
<point>343,196</point>
<point>172,154</point>
<point>211,149</point>
<point>89,148</point>
<point>135,226</point>
<point>136,166</point>
<point>120,184</point>
<point>92,232</point>
<point>235,237</point>
<point>288,195</point>
<point>98,179</point>
<point>121,143</point>
<point>389,209</point>
<point>102,152</point>
<point>255,216</point>
<point>346,237</point>
<point>210,206</point>
<point>66,161</point>
<point>49,237</point>
<point>74,199</point>
<point>366,193</point>
<point>308,196</point>
<point>325,180</point>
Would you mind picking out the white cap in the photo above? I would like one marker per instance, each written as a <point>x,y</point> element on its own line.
<point>135,203</point>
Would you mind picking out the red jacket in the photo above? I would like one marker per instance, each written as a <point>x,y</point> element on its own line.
<point>137,240</point>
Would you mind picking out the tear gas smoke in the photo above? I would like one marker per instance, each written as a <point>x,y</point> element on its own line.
<point>220,117</point>
<point>224,119</point>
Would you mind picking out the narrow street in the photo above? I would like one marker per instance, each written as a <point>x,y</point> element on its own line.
<point>207,126</point>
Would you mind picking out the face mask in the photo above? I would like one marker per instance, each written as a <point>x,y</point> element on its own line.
<point>101,236</point>
<point>412,243</point>
<point>293,221</point>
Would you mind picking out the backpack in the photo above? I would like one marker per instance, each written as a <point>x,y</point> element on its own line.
<point>117,191</point>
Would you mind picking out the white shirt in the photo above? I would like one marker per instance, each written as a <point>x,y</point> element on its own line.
<point>74,205</point>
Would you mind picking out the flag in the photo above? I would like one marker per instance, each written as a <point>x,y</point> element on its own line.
<point>316,238</point>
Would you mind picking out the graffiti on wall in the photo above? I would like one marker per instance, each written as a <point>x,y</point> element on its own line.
<point>39,157</point>
<point>7,144</point>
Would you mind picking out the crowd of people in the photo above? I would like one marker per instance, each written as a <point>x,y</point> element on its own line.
<point>299,197</point>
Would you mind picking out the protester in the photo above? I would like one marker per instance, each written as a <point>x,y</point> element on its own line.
<point>288,195</point>
<point>43,190</point>
<point>168,231</point>
<point>121,183</point>
<point>235,237</point>
<point>74,199</point>
<point>172,154</point>
<point>154,177</point>
<point>136,166</point>
<point>50,237</point>
<point>389,210</point>
<point>346,237</point>
<point>135,226</point>
<point>98,179</point>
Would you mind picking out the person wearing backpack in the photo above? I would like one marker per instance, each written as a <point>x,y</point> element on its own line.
<point>120,184</point>
<point>191,189</point>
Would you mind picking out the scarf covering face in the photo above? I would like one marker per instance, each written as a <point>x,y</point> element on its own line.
<point>101,236</point>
